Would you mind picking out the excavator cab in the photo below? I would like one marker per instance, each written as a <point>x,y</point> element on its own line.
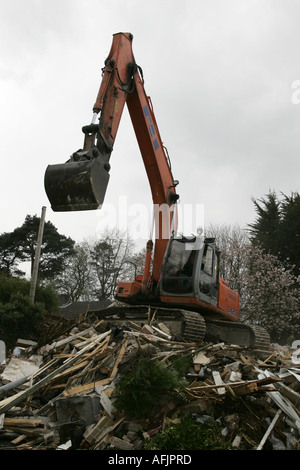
<point>190,277</point>
<point>191,269</point>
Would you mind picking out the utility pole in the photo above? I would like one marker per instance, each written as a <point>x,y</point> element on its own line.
<point>37,257</point>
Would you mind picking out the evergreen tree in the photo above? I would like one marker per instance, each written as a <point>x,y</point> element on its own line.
<point>265,231</point>
<point>11,253</point>
<point>277,227</point>
<point>20,245</point>
<point>290,230</point>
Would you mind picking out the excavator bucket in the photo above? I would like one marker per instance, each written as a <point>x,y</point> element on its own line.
<point>76,185</point>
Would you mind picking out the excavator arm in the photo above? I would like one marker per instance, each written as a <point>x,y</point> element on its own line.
<point>81,182</point>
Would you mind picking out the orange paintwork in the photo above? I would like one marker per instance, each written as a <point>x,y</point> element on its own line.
<point>122,82</point>
<point>110,101</point>
<point>227,308</point>
<point>228,301</point>
<point>127,289</point>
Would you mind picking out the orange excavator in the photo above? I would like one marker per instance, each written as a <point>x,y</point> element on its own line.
<point>180,283</point>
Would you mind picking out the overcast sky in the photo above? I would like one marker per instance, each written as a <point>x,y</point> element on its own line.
<point>220,74</point>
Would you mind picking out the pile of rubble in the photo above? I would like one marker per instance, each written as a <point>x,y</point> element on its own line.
<point>59,393</point>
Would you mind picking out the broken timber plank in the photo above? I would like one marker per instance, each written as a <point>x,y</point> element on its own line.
<point>120,444</point>
<point>105,401</point>
<point>283,403</point>
<point>71,370</point>
<point>288,392</point>
<point>19,439</point>
<point>86,387</point>
<point>23,422</point>
<point>269,430</point>
<point>68,339</point>
<point>25,342</point>
<point>235,385</point>
<point>119,359</point>
<point>218,381</point>
<point>21,396</point>
<point>104,426</point>
<point>161,333</point>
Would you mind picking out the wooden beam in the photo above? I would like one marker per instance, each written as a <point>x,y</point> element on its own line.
<point>12,401</point>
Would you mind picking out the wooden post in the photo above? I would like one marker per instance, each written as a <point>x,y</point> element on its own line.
<point>37,256</point>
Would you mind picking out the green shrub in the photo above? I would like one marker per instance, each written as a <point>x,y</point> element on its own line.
<point>19,318</point>
<point>139,391</point>
<point>181,364</point>
<point>188,435</point>
<point>45,294</point>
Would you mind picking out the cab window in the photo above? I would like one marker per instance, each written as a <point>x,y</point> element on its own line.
<point>207,261</point>
<point>178,272</point>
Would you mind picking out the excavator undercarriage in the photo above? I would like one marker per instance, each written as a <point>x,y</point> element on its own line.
<point>189,326</point>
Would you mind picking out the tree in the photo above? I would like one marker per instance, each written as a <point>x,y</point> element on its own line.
<point>290,230</point>
<point>75,281</point>
<point>96,266</point>
<point>20,245</point>
<point>233,242</point>
<point>11,254</point>
<point>18,316</point>
<point>277,227</point>
<point>135,263</point>
<point>45,294</point>
<point>265,231</point>
<point>108,261</point>
<point>269,290</point>
<point>271,296</point>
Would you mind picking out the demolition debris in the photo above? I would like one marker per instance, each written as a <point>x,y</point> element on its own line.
<point>93,384</point>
